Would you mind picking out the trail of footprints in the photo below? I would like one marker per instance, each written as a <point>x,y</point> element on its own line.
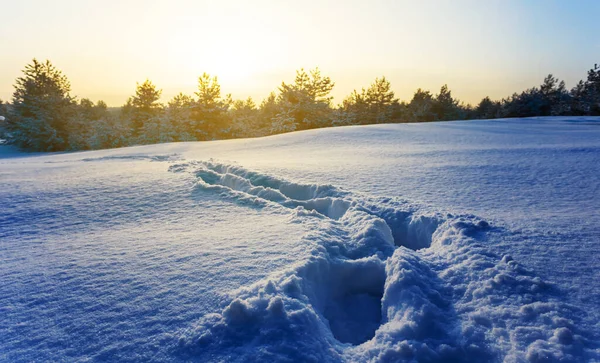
<point>374,278</point>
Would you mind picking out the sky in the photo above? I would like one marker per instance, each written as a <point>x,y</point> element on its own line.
<point>479,48</point>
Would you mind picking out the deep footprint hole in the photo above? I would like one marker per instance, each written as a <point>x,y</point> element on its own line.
<point>353,309</point>
<point>408,230</point>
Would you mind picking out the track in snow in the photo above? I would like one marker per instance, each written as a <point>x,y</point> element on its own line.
<point>384,282</point>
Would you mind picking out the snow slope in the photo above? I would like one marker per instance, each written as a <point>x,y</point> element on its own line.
<point>440,242</point>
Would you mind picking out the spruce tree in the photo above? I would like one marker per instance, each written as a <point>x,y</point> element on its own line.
<point>210,110</point>
<point>421,105</point>
<point>3,115</point>
<point>445,106</point>
<point>179,115</point>
<point>42,109</point>
<point>592,86</point>
<point>306,103</point>
<point>379,98</point>
<point>143,107</point>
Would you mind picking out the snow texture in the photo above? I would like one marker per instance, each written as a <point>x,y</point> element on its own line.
<point>300,247</point>
<point>384,283</point>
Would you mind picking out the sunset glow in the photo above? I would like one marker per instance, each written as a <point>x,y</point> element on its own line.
<point>477,48</point>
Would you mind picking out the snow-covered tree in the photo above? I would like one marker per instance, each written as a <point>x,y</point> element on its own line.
<point>487,109</point>
<point>306,103</point>
<point>210,109</point>
<point>354,109</point>
<point>157,129</point>
<point>421,105</point>
<point>3,109</point>
<point>143,107</point>
<point>42,109</point>
<point>179,114</point>
<point>244,118</point>
<point>585,96</point>
<point>267,112</point>
<point>285,121</point>
<point>445,106</point>
<point>556,98</point>
<point>3,115</point>
<point>82,124</point>
<point>579,106</point>
<point>380,98</point>
<point>592,91</point>
<point>372,105</point>
<point>108,132</point>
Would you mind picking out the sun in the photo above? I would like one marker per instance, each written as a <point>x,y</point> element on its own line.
<point>232,62</point>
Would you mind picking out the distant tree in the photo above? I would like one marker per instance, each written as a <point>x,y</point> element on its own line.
<point>109,132</point>
<point>420,107</point>
<point>400,111</point>
<point>465,111</point>
<point>592,90</point>
<point>579,98</point>
<point>372,105</point>
<point>179,115</point>
<point>3,116</point>
<point>3,108</point>
<point>268,110</point>
<point>211,108</point>
<point>487,109</point>
<point>555,98</point>
<point>42,109</point>
<point>526,104</point>
<point>380,98</point>
<point>158,129</point>
<point>445,106</point>
<point>306,103</point>
<point>354,109</point>
<point>244,116</point>
<point>550,99</point>
<point>82,126</point>
<point>143,107</point>
<point>585,96</point>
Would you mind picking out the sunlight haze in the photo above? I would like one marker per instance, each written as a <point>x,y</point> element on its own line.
<point>478,48</point>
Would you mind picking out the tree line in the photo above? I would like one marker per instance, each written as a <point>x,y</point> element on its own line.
<point>44,116</point>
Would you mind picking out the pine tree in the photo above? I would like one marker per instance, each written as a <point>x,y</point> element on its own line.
<point>3,115</point>
<point>379,98</point>
<point>143,107</point>
<point>267,112</point>
<point>179,114</point>
<point>42,109</point>
<point>306,103</point>
<point>421,105</point>
<point>82,124</point>
<point>354,109</point>
<point>3,109</point>
<point>487,109</point>
<point>445,107</point>
<point>579,106</point>
<point>244,116</point>
<point>555,98</point>
<point>210,109</point>
<point>592,86</point>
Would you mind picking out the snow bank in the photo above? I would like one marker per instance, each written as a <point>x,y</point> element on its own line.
<point>384,282</point>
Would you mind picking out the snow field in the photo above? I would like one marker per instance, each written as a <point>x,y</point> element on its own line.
<point>108,256</point>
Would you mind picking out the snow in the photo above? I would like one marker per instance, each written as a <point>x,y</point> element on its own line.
<point>438,242</point>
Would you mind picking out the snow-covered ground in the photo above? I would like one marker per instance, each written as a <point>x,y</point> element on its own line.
<point>440,242</point>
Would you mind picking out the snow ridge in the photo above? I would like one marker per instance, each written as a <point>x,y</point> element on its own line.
<point>384,282</point>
